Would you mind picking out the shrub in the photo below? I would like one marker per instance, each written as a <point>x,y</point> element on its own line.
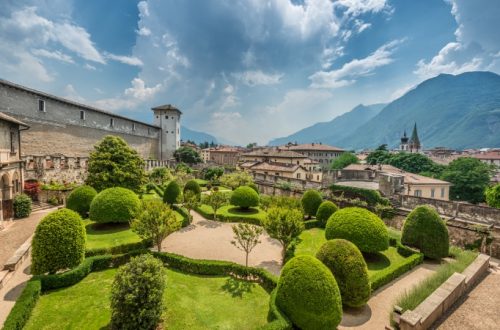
<point>114,205</point>
<point>244,197</point>
<point>193,186</point>
<point>254,187</point>
<point>137,294</point>
<point>349,269</point>
<point>325,210</point>
<point>425,230</point>
<point>492,195</point>
<point>311,202</point>
<point>79,200</point>
<point>308,294</point>
<point>22,206</point>
<point>372,197</point>
<point>172,193</point>
<point>360,226</point>
<point>59,242</point>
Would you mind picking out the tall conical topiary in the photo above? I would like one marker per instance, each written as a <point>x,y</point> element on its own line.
<point>172,193</point>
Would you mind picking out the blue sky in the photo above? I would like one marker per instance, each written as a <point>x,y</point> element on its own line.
<point>242,70</point>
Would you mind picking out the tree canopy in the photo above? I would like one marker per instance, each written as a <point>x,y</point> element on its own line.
<point>345,159</point>
<point>493,196</point>
<point>187,155</point>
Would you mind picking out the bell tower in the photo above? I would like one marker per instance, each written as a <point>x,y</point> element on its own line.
<point>168,118</point>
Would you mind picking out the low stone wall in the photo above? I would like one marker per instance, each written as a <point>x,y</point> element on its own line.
<point>432,308</point>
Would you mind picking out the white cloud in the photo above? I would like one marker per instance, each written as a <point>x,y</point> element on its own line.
<point>140,91</point>
<point>356,68</point>
<point>77,39</point>
<point>257,77</point>
<point>143,9</point>
<point>358,7</point>
<point>144,31</point>
<point>71,93</point>
<point>89,67</point>
<point>130,60</point>
<point>55,55</point>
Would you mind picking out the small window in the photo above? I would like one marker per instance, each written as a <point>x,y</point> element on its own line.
<point>298,175</point>
<point>432,192</point>
<point>41,105</point>
<point>418,193</point>
<point>82,115</point>
<point>166,117</point>
<point>12,144</point>
<point>442,192</point>
<point>149,131</point>
<point>172,132</point>
<point>133,126</point>
<point>111,122</point>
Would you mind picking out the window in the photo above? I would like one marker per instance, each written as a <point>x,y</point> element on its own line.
<point>133,126</point>
<point>442,192</point>
<point>432,193</point>
<point>149,130</point>
<point>418,193</point>
<point>82,115</point>
<point>317,177</point>
<point>298,175</point>
<point>111,122</point>
<point>166,117</point>
<point>12,146</point>
<point>41,105</point>
<point>277,174</point>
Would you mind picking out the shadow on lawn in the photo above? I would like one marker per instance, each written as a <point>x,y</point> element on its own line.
<point>239,211</point>
<point>106,228</point>
<point>376,261</point>
<point>237,288</point>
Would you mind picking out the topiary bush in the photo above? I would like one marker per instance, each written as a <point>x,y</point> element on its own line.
<point>424,229</point>
<point>308,294</point>
<point>311,202</point>
<point>349,268</point>
<point>22,206</point>
<point>244,197</point>
<point>325,210</point>
<point>360,226</point>
<point>79,200</point>
<point>193,186</point>
<point>58,243</point>
<point>114,205</point>
<point>172,193</point>
<point>137,294</point>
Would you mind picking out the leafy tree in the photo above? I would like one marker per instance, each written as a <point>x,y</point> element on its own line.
<point>172,193</point>
<point>246,238</point>
<point>469,178</point>
<point>213,173</point>
<point>216,200</point>
<point>236,179</point>
<point>155,222</point>
<point>251,145</point>
<point>193,186</point>
<point>284,225</point>
<point>159,175</point>
<point>378,156</point>
<point>182,167</point>
<point>414,163</point>
<point>345,159</point>
<point>382,147</point>
<point>191,201</point>
<point>187,155</point>
<point>113,163</point>
<point>493,196</point>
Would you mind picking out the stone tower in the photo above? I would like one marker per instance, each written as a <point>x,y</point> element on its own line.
<point>414,144</point>
<point>404,143</point>
<point>168,118</point>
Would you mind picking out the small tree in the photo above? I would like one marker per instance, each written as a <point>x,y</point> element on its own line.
<point>246,237</point>
<point>284,225</point>
<point>236,179</point>
<point>187,155</point>
<point>191,201</point>
<point>172,193</point>
<point>493,196</point>
<point>345,159</point>
<point>155,222</point>
<point>216,200</point>
<point>213,173</point>
<point>159,175</point>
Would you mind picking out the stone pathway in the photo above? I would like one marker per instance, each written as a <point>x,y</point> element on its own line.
<point>211,240</point>
<point>480,309</point>
<point>13,288</point>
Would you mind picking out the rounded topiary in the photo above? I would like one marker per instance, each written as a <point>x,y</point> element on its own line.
<point>360,226</point>
<point>79,200</point>
<point>325,210</point>
<point>193,186</point>
<point>22,206</point>
<point>114,205</point>
<point>254,187</point>
<point>244,197</point>
<point>349,269</point>
<point>425,230</point>
<point>172,193</point>
<point>308,294</point>
<point>58,243</point>
<point>311,202</point>
<point>137,294</point>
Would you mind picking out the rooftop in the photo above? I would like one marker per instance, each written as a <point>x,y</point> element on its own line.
<point>282,167</point>
<point>274,152</point>
<point>410,178</point>
<point>489,155</point>
<point>10,119</point>
<point>167,107</point>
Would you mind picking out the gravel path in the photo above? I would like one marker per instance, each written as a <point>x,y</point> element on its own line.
<point>211,240</point>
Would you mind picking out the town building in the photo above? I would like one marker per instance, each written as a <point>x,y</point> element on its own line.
<point>322,153</point>
<point>223,155</point>
<point>490,157</point>
<point>274,155</point>
<point>205,154</point>
<point>11,164</point>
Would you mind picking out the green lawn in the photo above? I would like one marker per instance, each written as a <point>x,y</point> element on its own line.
<point>191,301</point>
<point>233,213</point>
<point>151,195</point>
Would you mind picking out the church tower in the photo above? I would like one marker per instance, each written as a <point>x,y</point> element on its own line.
<point>404,143</point>
<point>168,118</point>
<point>414,144</point>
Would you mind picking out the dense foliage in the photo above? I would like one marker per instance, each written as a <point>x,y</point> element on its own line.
<point>114,205</point>
<point>245,197</point>
<point>325,210</point>
<point>216,200</point>
<point>187,155</point>
<point>493,196</point>
<point>58,243</point>
<point>137,294</point>
<point>311,201</point>
<point>172,193</point>
<point>79,199</point>
<point>345,159</point>
<point>235,179</point>
<point>425,230</point>
<point>406,161</point>
<point>372,197</point>
<point>308,294</point>
<point>469,178</point>
<point>360,226</point>
<point>284,225</point>
<point>268,201</point>
<point>159,175</point>
<point>22,206</point>
<point>349,269</point>
<point>213,173</point>
<point>113,163</point>
<point>194,187</point>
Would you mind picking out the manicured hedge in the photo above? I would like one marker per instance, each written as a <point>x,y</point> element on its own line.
<point>172,193</point>
<point>185,217</point>
<point>79,199</point>
<point>349,268</point>
<point>311,200</point>
<point>308,224</point>
<point>360,226</point>
<point>325,211</point>
<point>279,320</point>
<point>22,206</point>
<point>193,186</point>
<point>114,205</point>
<point>308,294</point>
<point>424,229</point>
<point>119,249</point>
<point>244,197</point>
<point>372,197</point>
<point>207,212</point>
<point>21,311</point>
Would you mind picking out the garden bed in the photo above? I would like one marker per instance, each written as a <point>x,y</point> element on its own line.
<point>231,213</point>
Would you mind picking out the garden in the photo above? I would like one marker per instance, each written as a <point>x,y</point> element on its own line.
<point>98,263</point>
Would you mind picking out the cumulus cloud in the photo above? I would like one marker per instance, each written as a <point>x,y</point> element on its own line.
<point>131,98</point>
<point>358,7</point>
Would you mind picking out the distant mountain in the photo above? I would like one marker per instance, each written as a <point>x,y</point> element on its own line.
<point>197,137</point>
<point>456,111</point>
<point>333,131</point>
